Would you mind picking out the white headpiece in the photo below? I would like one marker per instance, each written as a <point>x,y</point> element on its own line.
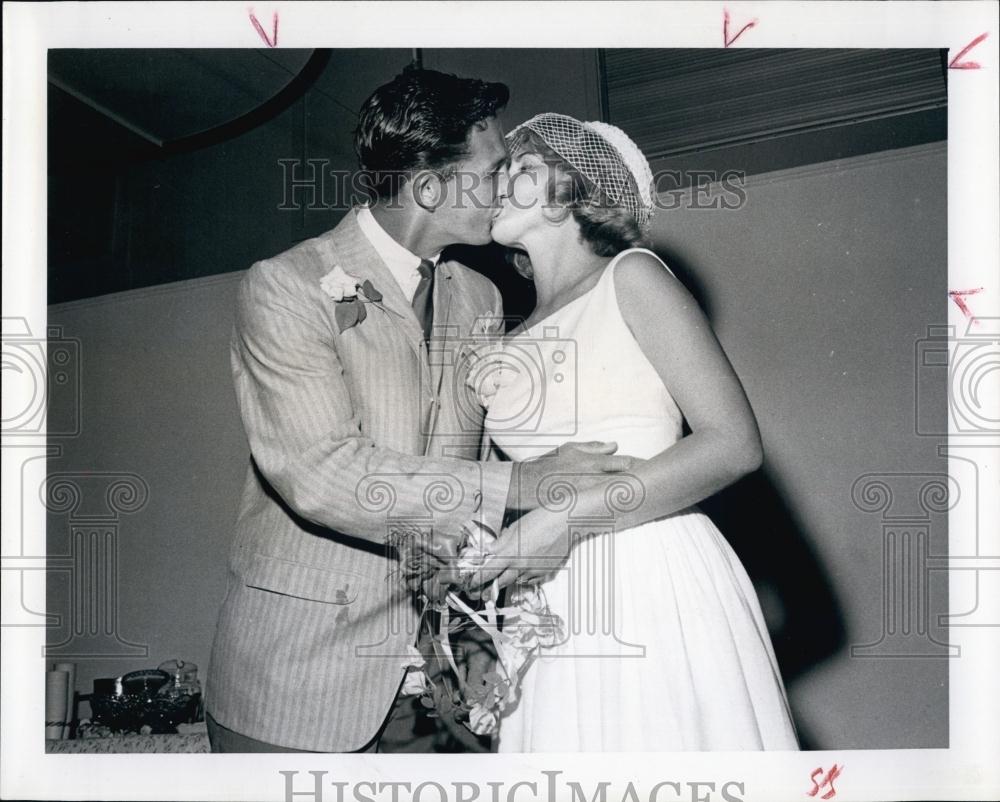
<point>604,154</point>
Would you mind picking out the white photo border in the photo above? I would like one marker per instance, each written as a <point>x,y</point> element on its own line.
<point>967,769</point>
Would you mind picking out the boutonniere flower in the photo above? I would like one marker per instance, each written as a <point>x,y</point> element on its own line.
<point>351,295</point>
<point>484,354</point>
<point>487,327</point>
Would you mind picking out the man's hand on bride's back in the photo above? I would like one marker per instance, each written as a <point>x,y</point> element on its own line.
<point>572,467</point>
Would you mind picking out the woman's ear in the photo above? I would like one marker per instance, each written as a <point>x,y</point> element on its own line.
<point>428,189</point>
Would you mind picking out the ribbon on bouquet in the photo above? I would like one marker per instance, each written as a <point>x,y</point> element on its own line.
<point>538,627</point>
<point>512,653</point>
<point>502,642</point>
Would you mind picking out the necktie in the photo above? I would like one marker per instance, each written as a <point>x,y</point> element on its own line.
<point>423,298</point>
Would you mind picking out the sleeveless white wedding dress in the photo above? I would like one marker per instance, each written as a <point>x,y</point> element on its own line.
<point>667,649</point>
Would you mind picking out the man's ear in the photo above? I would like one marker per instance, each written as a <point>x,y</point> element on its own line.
<point>428,189</point>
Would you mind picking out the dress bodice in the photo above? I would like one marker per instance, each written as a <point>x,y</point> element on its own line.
<point>579,375</point>
<point>670,591</point>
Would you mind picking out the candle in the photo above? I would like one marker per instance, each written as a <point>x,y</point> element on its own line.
<point>69,668</point>
<point>56,683</point>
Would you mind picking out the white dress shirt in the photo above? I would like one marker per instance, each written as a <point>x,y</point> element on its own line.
<point>402,263</point>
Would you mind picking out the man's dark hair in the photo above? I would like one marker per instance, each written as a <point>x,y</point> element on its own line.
<point>420,120</point>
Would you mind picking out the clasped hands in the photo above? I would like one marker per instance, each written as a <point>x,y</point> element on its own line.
<point>538,542</point>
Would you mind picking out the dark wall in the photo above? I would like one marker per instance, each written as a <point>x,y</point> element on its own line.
<point>124,214</point>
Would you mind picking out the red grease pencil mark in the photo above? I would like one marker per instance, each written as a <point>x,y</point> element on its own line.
<point>260,28</point>
<point>726,41</point>
<point>956,296</point>
<point>831,775</point>
<point>955,64</point>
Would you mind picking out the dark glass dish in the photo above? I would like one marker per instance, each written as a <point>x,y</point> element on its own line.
<point>132,702</point>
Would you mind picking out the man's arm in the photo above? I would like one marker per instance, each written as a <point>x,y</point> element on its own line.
<point>305,434</point>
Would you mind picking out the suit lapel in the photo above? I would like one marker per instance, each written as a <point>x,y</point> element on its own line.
<point>359,258</point>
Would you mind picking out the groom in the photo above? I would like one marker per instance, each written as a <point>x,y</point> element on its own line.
<point>360,438</point>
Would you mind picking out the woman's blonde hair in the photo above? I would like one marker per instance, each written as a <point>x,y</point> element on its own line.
<point>607,228</point>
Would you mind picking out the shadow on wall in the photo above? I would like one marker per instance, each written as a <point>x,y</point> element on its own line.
<point>801,609</point>
<point>803,615</point>
<point>490,260</point>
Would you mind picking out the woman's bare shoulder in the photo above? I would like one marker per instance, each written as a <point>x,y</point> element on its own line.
<point>644,283</point>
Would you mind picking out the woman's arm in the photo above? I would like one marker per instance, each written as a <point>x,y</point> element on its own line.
<point>723,446</point>
<point>676,337</point>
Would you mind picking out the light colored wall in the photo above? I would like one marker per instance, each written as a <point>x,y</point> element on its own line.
<point>157,404</point>
<point>819,287</point>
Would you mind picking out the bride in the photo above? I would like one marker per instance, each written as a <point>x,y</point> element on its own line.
<point>666,647</point>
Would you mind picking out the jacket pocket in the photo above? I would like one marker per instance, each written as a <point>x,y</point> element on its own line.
<point>303,581</point>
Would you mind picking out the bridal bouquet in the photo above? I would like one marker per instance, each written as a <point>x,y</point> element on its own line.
<point>528,624</point>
